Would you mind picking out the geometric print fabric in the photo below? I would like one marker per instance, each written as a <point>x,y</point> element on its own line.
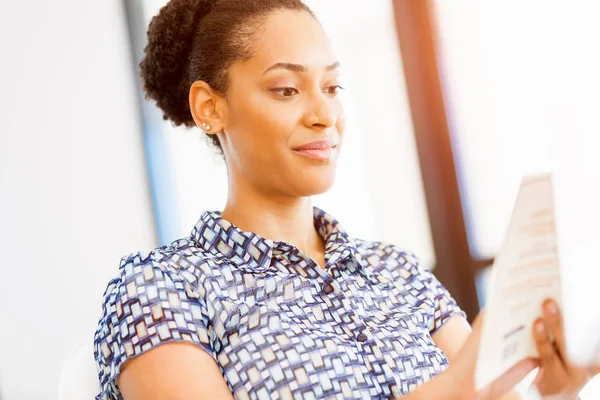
<point>277,325</point>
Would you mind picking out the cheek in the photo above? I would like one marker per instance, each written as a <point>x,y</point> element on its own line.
<point>341,124</point>
<point>259,135</point>
<point>269,132</point>
<point>341,128</point>
<point>270,126</point>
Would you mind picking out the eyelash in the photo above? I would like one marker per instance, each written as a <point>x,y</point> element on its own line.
<point>280,90</point>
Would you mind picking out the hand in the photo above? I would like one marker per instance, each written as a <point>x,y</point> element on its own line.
<point>557,377</point>
<point>460,376</point>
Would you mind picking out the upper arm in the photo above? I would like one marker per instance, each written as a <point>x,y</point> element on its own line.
<point>179,371</point>
<point>452,335</point>
<point>157,328</point>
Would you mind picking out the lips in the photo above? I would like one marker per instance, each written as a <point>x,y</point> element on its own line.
<point>319,145</point>
<point>320,150</point>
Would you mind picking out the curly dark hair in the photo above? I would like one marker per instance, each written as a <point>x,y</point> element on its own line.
<point>192,40</point>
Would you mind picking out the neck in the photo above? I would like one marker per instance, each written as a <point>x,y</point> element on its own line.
<point>278,218</point>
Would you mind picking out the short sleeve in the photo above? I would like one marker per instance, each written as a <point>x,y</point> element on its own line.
<point>146,306</point>
<point>444,305</point>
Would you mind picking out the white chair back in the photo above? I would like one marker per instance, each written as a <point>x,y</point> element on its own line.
<point>78,377</point>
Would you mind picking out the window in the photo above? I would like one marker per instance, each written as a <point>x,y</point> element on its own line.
<point>521,80</point>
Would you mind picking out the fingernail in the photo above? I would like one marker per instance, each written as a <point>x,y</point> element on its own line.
<point>540,328</point>
<point>552,308</point>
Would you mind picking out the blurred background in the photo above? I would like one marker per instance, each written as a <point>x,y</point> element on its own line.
<point>449,103</point>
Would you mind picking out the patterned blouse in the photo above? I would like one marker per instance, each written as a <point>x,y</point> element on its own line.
<point>277,325</point>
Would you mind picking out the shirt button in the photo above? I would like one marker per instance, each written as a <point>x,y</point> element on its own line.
<point>327,289</point>
<point>361,337</point>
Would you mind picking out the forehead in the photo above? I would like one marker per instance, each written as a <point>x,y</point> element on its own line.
<point>292,37</point>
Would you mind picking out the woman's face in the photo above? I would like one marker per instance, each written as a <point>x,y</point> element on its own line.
<point>284,121</point>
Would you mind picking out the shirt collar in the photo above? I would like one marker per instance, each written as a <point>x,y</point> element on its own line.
<point>221,238</point>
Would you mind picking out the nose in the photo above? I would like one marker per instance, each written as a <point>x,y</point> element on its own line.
<point>321,112</point>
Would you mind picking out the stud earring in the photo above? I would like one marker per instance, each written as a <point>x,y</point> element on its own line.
<point>206,126</point>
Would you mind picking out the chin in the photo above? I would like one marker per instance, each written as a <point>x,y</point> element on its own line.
<point>312,185</point>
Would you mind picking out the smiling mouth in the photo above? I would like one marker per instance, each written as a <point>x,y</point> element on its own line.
<point>322,154</point>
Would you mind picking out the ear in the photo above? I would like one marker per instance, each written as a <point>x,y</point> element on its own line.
<point>207,108</point>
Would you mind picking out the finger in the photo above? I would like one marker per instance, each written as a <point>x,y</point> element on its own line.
<point>549,359</point>
<point>554,323</point>
<point>593,371</point>
<point>509,379</point>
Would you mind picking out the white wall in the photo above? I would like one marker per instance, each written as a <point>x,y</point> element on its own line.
<point>73,191</point>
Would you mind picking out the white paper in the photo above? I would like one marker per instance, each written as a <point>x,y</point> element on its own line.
<point>525,273</point>
<point>550,251</point>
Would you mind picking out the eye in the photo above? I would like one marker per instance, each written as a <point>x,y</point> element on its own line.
<point>286,92</point>
<point>333,89</point>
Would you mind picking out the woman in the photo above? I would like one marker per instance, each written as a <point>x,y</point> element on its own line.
<point>270,298</point>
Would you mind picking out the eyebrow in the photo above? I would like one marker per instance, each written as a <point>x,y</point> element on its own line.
<point>298,67</point>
